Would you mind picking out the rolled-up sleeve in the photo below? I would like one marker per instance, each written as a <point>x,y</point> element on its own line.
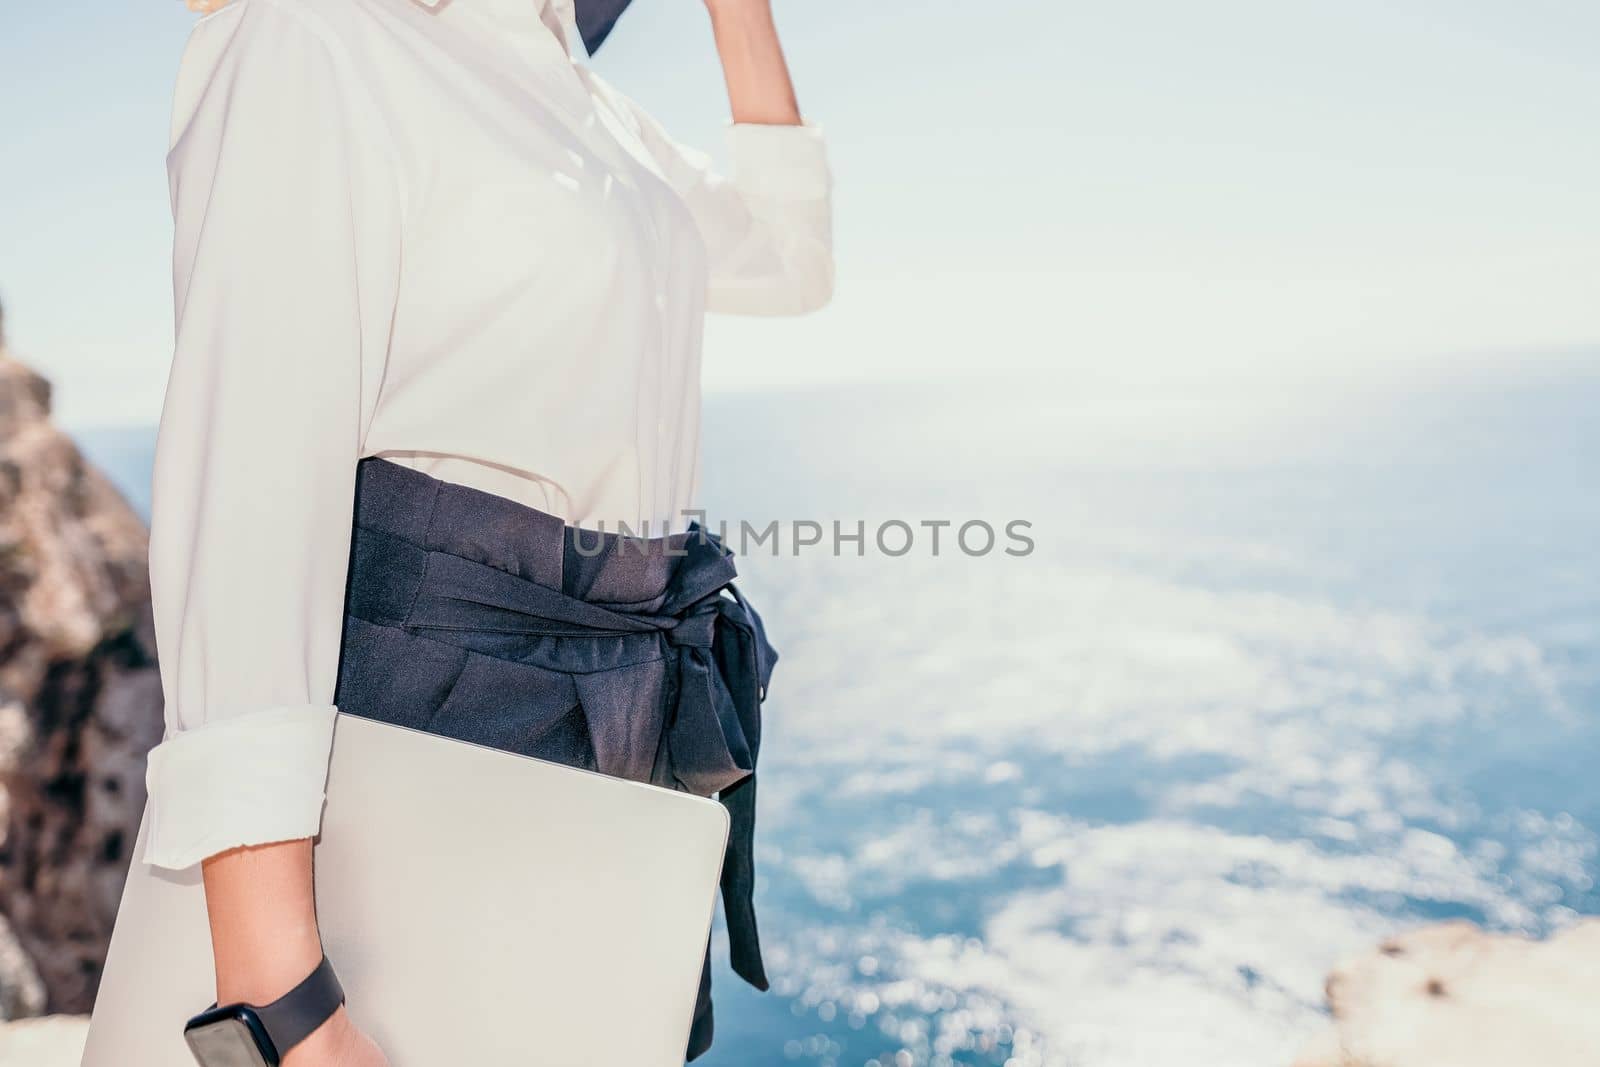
<point>278,327</point>
<point>768,225</point>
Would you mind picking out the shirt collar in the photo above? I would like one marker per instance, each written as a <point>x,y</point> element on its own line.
<point>561,6</point>
<point>560,15</point>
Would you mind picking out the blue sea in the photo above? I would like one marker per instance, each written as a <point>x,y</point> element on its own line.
<point>1288,668</point>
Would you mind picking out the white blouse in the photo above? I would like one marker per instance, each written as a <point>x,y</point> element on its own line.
<point>425,231</point>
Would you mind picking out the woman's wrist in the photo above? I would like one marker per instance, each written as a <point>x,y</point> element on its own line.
<point>262,911</point>
<point>738,7</point>
<point>759,89</point>
<point>741,16</point>
<point>262,975</point>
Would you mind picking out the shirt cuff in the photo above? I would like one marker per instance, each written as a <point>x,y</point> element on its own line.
<point>248,780</point>
<point>787,162</point>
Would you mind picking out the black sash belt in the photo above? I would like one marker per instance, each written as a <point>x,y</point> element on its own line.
<point>718,664</point>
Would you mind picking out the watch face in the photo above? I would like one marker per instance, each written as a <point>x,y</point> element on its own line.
<point>228,1040</point>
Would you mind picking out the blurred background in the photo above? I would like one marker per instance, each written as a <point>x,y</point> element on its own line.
<point>1280,323</point>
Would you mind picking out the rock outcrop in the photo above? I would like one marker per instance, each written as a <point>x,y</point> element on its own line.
<point>55,1041</point>
<point>1454,995</point>
<point>80,703</point>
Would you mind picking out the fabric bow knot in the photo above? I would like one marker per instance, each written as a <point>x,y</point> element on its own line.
<point>719,664</point>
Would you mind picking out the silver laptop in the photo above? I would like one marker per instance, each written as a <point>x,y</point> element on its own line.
<point>479,907</point>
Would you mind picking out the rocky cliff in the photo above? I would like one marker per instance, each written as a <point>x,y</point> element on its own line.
<point>80,703</point>
<point>1452,995</point>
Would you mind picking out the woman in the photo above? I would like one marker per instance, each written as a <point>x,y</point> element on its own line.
<point>440,292</point>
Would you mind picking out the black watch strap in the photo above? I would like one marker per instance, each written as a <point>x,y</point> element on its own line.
<point>291,1018</point>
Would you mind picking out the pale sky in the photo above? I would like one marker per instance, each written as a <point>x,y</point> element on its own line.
<point>1161,188</point>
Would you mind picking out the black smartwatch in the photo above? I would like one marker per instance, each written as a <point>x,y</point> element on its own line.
<point>243,1035</point>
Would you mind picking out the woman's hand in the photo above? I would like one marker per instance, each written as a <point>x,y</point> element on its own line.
<point>336,1043</point>
<point>205,7</point>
